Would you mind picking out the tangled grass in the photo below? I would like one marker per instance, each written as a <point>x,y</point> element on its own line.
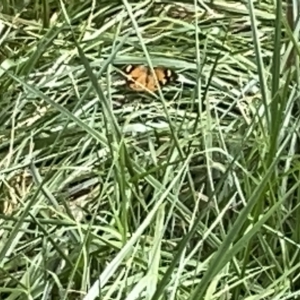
<point>188,193</point>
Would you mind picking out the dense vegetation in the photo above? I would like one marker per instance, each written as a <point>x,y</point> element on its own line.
<point>188,193</point>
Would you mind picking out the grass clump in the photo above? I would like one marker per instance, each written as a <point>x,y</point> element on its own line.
<point>188,193</point>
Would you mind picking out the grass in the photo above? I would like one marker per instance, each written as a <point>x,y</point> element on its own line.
<point>188,193</point>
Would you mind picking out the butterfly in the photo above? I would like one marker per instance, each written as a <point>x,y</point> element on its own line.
<point>140,78</point>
